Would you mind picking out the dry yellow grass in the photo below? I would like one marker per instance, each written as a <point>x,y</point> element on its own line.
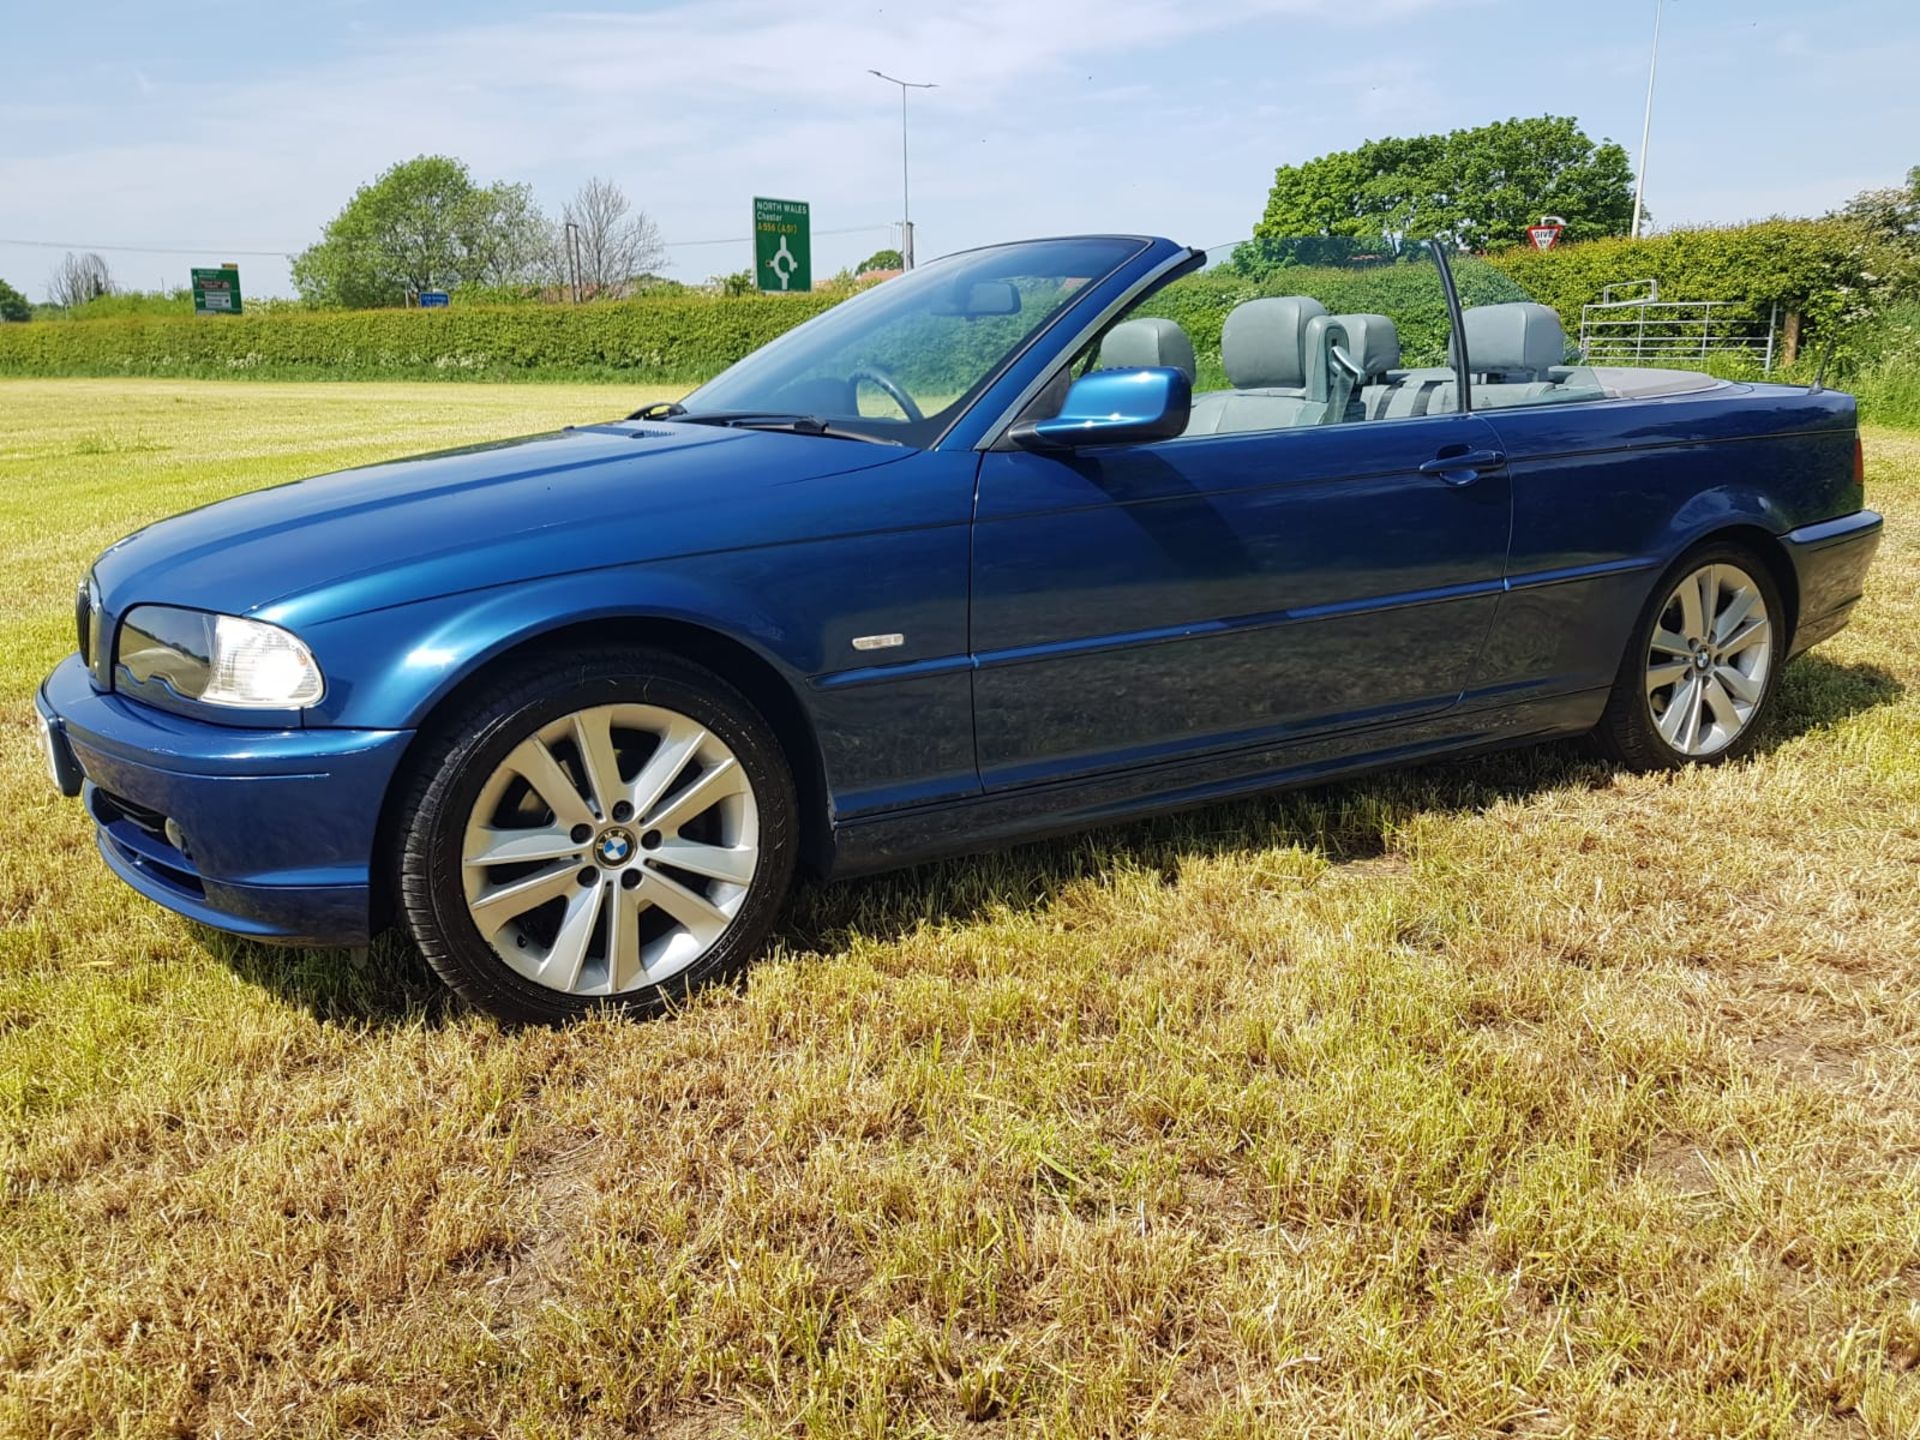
<point>1505,1097</point>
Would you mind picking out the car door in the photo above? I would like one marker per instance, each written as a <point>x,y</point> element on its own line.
<point>1134,604</point>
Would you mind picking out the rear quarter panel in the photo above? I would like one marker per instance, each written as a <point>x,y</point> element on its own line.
<point>1606,494</point>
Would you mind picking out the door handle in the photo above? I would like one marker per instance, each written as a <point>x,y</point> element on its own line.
<point>1464,467</point>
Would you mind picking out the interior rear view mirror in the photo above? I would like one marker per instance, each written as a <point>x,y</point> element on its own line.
<point>980,297</point>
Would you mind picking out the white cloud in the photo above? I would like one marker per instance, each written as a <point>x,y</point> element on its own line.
<point>1051,116</point>
<point>693,108</point>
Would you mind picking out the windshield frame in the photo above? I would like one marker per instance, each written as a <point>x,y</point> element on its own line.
<point>1129,250</point>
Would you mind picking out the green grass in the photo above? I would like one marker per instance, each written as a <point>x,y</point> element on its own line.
<point>1514,1097</point>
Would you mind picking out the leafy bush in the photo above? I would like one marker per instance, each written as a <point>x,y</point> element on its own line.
<point>1831,272</point>
<point>672,337</point>
<point>1884,370</point>
<point>132,302</point>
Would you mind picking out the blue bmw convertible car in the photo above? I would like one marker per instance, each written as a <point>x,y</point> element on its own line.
<point>1034,537</point>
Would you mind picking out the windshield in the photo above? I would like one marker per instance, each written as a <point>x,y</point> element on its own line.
<point>900,361</point>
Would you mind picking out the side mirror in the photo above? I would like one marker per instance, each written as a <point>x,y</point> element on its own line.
<point>1114,407</point>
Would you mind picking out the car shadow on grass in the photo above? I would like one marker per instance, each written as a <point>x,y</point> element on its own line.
<point>1343,822</point>
<point>387,983</point>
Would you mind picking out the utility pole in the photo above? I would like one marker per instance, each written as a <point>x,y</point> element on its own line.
<point>1646,123</point>
<point>573,259</point>
<point>906,207</point>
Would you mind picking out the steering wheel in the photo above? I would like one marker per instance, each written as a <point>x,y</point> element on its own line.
<point>896,392</point>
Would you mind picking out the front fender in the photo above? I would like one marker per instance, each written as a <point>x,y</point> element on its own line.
<point>894,733</point>
<point>399,663</point>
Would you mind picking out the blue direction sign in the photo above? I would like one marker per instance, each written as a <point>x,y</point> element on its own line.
<point>433,299</point>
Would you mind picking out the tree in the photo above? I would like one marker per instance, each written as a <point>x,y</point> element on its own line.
<point>1476,188</point>
<point>617,245</point>
<point>13,305</point>
<point>78,279</point>
<point>1891,214</point>
<point>880,260</point>
<point>423,225</point>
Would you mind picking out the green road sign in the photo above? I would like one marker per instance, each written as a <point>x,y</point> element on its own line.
<point>782,244</point>
<point>217,292</point>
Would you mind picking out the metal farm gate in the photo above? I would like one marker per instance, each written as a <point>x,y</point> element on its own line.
<point>1646,330</point>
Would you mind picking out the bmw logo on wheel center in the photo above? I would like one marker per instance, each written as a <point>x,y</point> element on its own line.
<point>615,847</point>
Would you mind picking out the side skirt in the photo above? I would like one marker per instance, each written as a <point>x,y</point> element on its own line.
<point>1034,812</point>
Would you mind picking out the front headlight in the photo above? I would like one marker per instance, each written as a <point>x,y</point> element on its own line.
<point>217,659</point>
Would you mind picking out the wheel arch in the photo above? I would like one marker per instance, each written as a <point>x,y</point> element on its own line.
<point>1745,515</point>
<point>1767,547</point>
<point>741,666</point>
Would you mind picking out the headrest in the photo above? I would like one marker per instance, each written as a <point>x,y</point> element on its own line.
<point>1373,342</point>
<point>1135,344</point>
<point>1520,340</point>
<point>1263,343</point>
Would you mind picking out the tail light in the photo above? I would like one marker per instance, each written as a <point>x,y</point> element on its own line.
<point>1859,465</point>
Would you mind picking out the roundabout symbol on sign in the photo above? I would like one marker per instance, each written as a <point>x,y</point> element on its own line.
<point>783,273</point>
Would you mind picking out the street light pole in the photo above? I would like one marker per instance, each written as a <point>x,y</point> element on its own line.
<point>906,207</point>
<point>1646,123</point>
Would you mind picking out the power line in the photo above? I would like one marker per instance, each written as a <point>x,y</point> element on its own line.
<point>290,252</point>
<point>145,249</point>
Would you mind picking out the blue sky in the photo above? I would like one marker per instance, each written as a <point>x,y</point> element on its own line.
<point>224,128</point>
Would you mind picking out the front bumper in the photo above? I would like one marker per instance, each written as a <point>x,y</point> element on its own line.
<point>1830,562</point>
<point>266,833</point>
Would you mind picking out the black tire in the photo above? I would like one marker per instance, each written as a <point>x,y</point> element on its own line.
<point>1627,733</point>
<point>464,748</point>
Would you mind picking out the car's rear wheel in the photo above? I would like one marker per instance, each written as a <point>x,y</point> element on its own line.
<point>1702,666</point>
<point>595,831</point>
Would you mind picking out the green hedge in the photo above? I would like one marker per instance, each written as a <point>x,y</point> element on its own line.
<point>1885,370</point>
<point>673,338</point>
<point>1828,271</point>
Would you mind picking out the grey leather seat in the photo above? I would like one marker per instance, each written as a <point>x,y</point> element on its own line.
<point>1277,355</point>
<point>1512,350</point>
<point>1147,343</point>
<point>1514,344</point>
<point>1373,344</point>
<point>1516,351</point>
<point>1373,341</point>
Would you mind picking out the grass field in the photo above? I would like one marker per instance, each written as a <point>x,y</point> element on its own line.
<point>1506,1097</point>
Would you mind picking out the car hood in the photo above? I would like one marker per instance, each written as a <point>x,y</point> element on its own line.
<point>405,530</point>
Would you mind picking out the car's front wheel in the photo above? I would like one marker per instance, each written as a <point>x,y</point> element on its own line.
<point>1702,666</point>
<point>595,830</point>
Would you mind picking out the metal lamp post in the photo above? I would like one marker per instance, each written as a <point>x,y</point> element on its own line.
<point>906,209</point>
<point>1646,123</point>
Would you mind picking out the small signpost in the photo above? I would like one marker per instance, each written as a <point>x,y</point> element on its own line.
<point>1546,234</point>
<point>433,299</point>
<point>782,244</point>
<point>216,292</point>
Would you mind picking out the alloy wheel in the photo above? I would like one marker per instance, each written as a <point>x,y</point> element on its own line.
<point>610,849</point>
<point>1709,659</point>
